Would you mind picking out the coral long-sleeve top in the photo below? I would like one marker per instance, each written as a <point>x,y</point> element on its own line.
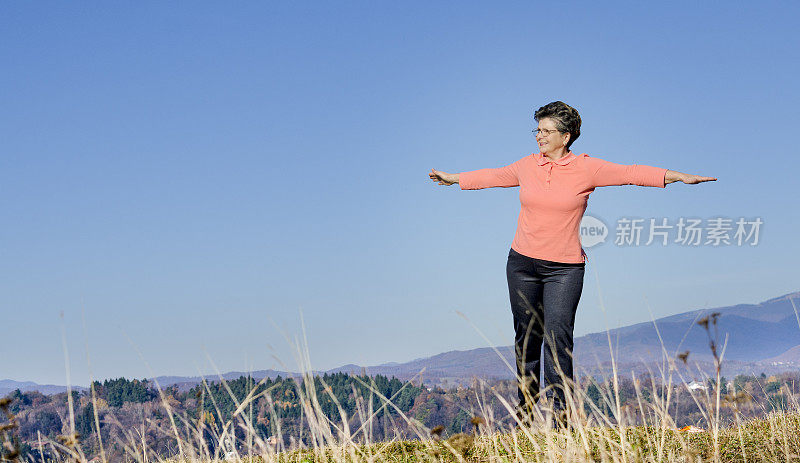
<point>553,197</point>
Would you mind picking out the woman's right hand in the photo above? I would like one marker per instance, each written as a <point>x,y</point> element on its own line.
<point>443,178</point>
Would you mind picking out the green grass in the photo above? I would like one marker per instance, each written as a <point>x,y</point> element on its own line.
<point>773,438</point>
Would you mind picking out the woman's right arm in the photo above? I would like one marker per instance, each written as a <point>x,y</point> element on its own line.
<point>477,179</point>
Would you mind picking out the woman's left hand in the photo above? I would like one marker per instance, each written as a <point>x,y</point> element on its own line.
<point>692,179</point>
<point>689,179</point>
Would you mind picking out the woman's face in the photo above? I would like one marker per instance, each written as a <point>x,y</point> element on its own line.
<point>549,138</point>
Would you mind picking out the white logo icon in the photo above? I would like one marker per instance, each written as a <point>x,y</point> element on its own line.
<point>593,231</point>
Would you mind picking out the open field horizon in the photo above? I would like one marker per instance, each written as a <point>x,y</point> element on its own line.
<point>751,336</point>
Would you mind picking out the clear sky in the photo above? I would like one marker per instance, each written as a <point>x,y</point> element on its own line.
<point>183,180</point>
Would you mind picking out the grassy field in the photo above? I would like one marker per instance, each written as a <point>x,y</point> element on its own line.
<point>773,438</point>
<point>598,430</point>
<point>628,434</point>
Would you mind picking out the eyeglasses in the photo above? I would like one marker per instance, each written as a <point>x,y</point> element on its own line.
<point>544,132</point>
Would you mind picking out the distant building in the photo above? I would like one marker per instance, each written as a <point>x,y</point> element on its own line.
<point>696,386</point>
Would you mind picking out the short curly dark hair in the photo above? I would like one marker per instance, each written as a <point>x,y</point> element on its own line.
<point>565,116</point>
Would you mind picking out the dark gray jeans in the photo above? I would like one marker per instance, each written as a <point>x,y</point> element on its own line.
<point>544,297</point>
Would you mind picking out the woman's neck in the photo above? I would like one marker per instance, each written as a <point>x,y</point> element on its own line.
<point>557,154</point>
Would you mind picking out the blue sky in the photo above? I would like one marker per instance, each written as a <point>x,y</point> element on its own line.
<point>183,181</point>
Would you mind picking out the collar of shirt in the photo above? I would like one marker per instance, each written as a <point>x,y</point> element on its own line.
<point>542,159</point>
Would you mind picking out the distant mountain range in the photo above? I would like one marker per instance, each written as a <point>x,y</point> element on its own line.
<point>756,338</point>
<point>767,333</point>
<point>8,385</point>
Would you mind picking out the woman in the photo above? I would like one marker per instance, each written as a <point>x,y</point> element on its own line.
<point>546,262</point>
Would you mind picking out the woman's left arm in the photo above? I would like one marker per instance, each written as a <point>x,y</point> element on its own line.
<point>605,173</point>
<point>689,179</point>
